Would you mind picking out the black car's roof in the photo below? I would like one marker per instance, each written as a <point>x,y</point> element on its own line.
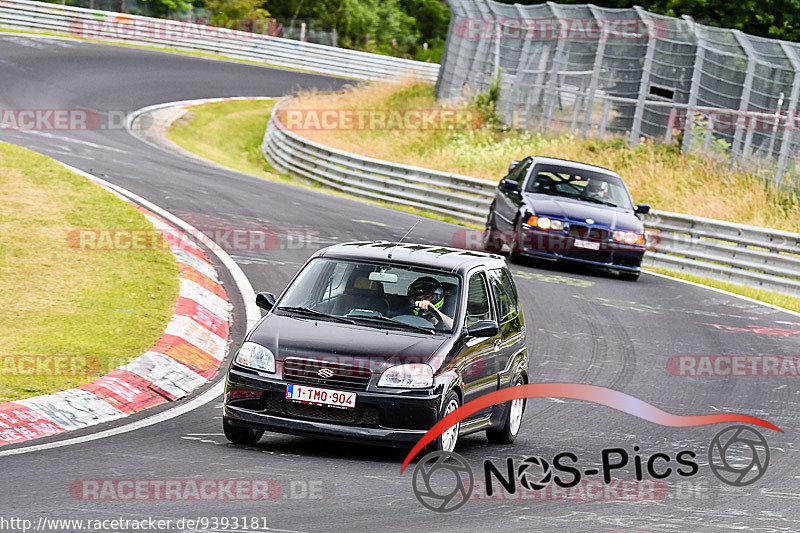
<point>419,255</point>
<point>573,164</point>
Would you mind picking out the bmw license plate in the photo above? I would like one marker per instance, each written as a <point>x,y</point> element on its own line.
<point>588,245</point>
<point>336,398</point>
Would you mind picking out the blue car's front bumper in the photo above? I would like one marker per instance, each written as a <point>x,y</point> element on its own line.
<point>620,257</point>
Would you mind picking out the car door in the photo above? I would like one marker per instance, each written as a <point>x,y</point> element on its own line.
<point>507,201</point>
<point>476,368</point>
<point>509,318</point>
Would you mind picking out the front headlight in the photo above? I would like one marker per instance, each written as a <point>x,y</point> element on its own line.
<point>410,376</point>
<point>628,237</point>
<point>545,223</point>
<point>254,355</point>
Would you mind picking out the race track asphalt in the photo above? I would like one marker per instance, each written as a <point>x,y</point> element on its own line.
<point>583,327</point>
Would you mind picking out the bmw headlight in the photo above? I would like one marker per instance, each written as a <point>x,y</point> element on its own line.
<point>545,223</point>
<point>410,376</point>
<point>254,355</point>
<point>629,237</point>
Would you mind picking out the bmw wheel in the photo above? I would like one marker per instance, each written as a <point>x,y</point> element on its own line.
<point>491,241</point>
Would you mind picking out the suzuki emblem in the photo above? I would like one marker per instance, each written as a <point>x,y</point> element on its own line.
<point>325,373</point>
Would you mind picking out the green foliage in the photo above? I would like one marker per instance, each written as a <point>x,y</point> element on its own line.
<point>779,19</point>
<point>486,103</point>
<point>227,10</point>
<point>372,24</point>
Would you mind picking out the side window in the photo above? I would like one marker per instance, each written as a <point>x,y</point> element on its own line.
<point>478,307</point>
<point>505,298</point>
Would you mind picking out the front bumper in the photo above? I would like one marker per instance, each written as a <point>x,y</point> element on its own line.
<point>398,418</point>
<point>612,255</point>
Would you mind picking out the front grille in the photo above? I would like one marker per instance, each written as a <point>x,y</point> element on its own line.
<point>586,233</point>
<point>348,377</point>
<point>275,403</point>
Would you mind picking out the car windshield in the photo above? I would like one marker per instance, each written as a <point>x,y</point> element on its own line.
<point>375,295</point>
<point>581,185</point>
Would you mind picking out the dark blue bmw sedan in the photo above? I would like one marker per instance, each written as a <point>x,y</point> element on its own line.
<point>565,210</point>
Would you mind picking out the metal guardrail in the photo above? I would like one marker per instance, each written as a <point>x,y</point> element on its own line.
<point>134,29</point>
<point>724,251</point>
<point>460,197</point>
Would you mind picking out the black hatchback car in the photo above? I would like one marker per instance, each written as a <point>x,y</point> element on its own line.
<point>565,210</point>
<point>376,342</point>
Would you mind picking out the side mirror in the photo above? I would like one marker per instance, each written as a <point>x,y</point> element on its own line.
<point>265,300</point>
<point>512,166</point>
<point>483,328</point>
<point>642,209</point>
<point>510,185</point>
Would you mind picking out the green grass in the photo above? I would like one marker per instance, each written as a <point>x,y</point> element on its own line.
<point>100,307</point>
<point>230,133</point>
<point>774,298</point>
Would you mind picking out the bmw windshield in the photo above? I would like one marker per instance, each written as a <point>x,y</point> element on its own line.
<point>581,185</point>
<point>385,296</point>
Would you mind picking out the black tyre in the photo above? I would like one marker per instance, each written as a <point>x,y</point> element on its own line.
<point>506,433</point>
<point>515,256</point>
<point>447,440</point>
<point>491,241</point>
<point>629,276</point>
<point>240,435</point>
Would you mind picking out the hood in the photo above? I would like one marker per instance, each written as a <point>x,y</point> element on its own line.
<point>577,211</point>
<point>289,336</point>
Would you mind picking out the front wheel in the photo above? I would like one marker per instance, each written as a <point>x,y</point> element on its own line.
<point>240,435</point>
<point>506,433</point>
<point>447,441</point>
<point>491,241</point>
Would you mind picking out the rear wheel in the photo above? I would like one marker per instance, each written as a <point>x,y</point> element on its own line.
<point>240,435</point>
<point>506,433</point>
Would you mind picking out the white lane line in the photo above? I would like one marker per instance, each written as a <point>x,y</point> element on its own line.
<point>252,315</point>
<point>723,291</point>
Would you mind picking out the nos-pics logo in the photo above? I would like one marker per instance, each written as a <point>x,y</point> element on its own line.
<point>444,481</point>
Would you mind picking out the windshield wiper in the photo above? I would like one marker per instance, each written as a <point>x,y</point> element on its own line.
<point>597,201</point>
<point>387,320</point>
<point>310,312</point>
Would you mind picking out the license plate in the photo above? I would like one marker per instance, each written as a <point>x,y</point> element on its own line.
<point>336,398</point>
<point>589,245</point>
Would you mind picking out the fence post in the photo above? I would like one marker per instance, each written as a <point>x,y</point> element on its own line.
<point>744,102</point>
<point>644,84</point>
<point>520,74</point>
<point>697,73</point>
<point>598,64</point>
<point>558,60</point>
<point>791,112</point>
